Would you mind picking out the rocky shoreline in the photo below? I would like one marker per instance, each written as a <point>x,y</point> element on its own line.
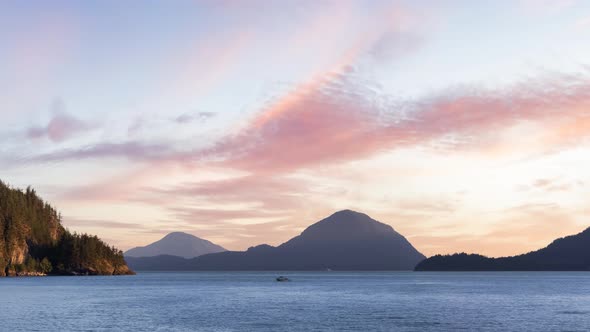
<point>26,274</point>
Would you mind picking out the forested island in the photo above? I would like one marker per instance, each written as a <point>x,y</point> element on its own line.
<point>34,242</point>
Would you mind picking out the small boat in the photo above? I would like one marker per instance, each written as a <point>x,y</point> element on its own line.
<point>281,278</point>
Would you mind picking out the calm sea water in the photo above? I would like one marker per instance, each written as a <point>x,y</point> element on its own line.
<point>329,301</point>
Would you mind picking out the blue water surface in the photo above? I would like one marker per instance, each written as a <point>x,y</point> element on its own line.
<point>312,301</point>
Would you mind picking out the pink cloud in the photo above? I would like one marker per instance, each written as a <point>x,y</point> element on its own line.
<point>129,186</point>
<point>336,121</point>
<point>376,36</point>
<point>61,126</point>
<point>197,215</point>
<point>332,119</point>
<point>269,193</point>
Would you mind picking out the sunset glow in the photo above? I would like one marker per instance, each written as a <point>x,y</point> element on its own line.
<point>463,125</point>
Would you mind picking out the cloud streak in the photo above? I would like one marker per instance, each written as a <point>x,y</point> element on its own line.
<point>339,121</point>
<point>60,127</point>
<point>132,150</point>
<point>334,118</point>
<point>191,117</point>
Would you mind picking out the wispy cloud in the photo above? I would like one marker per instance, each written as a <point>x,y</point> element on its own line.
<point>77,222</point>
<point>315,106</point>
<point>337,118</point>
<point>61,126</point>
<point>229,216</point>
<point>261,192</point>
<point>339,121</point>
<point>402,34</point>
<point>556,185</point>
<point>191,117</point>
<point>131,150</point>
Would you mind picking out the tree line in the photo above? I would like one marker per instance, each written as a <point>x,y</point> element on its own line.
<point>32,239</point>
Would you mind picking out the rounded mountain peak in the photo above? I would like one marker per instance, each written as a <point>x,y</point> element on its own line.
<point>346,224</point>
<point>178,235</point>
<point>349,214</point>
<point>176,244</point>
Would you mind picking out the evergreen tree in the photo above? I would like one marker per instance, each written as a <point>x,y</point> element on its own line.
<point>45,265</point>
<point>28,224</point>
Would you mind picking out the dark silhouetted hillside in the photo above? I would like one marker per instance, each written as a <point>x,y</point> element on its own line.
<point>346,240</point>
<point>571,253</point>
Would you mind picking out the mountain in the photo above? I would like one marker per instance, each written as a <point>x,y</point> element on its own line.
<point>176,244</point>
<point>34,242</point>
<point>571,253</point>
<point>346,240</point>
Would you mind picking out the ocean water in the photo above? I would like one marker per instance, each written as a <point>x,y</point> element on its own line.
<point>327,301</point>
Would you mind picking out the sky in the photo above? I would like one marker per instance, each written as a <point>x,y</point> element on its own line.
<point>465,125</point>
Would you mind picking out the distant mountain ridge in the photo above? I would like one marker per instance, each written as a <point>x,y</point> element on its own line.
<point>346,240</point>
<point>176,244</point>
<point>571,253</point>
